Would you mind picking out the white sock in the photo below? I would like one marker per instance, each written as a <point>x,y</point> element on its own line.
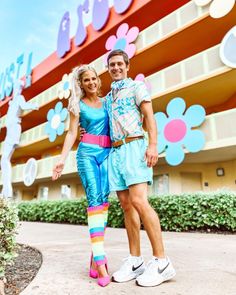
<point>137,259</point>
<point>161,261</point>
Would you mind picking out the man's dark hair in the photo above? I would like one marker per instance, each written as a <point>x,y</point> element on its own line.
<point>118,52</point>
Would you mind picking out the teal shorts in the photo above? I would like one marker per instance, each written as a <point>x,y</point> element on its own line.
<point>126,165</point>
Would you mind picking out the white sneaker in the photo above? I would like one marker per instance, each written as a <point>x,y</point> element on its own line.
<point>154,274</point>
<point>130,269</point>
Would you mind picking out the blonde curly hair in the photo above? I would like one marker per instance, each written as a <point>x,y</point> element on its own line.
<point>78,92</point>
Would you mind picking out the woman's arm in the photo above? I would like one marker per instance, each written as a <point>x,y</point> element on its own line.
<point>68,143</point>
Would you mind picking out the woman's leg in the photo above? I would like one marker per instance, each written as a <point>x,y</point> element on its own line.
<point>105,189</point>
<point>90,177</point>
<point>96,230</point>
<point>105,214</point>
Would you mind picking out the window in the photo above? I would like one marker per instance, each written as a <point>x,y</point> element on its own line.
<point>160,185</point>
<point>15,195</point>
<point>43,193</point>
<point>65,191</point>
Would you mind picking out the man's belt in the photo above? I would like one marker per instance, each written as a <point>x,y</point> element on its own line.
<point>125,140</point>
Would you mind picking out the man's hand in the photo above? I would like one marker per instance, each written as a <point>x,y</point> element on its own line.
<point>57,170</point>
<point>151,155</point>
<point>82,131</point>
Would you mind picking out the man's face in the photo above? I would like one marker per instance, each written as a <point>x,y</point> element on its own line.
<point>117,68</point>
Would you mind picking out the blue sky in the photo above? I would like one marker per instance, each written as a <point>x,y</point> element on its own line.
<point>32,25</point>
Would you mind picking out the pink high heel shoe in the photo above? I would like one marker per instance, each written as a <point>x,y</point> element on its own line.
<point>104,281</point>
<point>93,273</point>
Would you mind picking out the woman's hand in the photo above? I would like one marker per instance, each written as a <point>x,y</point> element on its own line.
<point>57,170</point>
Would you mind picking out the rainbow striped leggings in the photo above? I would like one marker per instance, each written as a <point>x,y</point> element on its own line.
<point>92,168</point>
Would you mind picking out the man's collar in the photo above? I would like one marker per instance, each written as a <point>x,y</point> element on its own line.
<point>117,85</point>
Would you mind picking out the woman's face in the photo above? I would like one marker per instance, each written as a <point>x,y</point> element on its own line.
<point>89,83</point>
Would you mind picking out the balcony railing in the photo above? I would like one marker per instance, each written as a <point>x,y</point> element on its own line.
<point>219,130</point>
<point>206,64</point>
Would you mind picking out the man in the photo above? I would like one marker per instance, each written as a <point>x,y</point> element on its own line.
<point>12,139</point>
<point>130,170</point>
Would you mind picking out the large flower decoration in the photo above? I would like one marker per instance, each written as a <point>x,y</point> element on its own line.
<point>141,77</point>
<point>55,125</point>
<point>228,48</point>
<point>218,8</point>
<point>64,90</point>
<point>123,39</point>
<point>175,131</point>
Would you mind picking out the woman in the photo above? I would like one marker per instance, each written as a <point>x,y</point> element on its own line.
<point>87,108</point>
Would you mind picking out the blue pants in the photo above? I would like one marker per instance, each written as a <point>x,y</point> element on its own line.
<point>92,165</point>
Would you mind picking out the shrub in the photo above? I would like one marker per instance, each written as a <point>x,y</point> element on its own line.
<point>8,227</point>
<point>64,211</point>
<point>200,211</point>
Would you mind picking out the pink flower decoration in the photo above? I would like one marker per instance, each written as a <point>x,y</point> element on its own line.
<point>141,77</point>
<point>122,40</point>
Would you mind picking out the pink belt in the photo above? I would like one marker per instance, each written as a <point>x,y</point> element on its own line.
<point>101,140</point>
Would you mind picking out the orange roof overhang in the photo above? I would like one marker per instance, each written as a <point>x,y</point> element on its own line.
<point>50,71</point>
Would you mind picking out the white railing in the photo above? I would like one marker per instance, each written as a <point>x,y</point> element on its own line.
<point>219,130</point>
<point>187,72</point>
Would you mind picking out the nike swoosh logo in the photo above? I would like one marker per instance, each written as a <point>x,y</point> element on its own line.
<point>135,268</point>
<point>161,270</point>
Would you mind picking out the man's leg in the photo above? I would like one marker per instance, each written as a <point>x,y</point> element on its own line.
<point>138,198</point>
<point>8,150</point>
<point>133,266</point>
<point>160,268</point>
<point>132,222</point>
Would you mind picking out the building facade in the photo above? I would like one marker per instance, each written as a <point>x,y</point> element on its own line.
<point>178,46</point>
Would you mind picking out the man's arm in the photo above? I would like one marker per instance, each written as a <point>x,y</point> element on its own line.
<point>144,125</point>
<point>151,155</point>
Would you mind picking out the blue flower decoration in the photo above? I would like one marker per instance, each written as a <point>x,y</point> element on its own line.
<point>55,125</point>
<point>65,87</point>
<point>175,131</point>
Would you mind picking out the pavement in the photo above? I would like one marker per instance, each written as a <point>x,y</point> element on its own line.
<point>205,263</point>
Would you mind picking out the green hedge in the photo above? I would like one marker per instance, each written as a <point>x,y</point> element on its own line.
<point>8,227</point>
<point>197,211</point>
<point>177,212</point>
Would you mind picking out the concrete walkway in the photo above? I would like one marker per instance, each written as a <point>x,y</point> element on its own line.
<point>205,263</point>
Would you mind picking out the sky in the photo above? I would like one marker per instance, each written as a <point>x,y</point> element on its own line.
<point>32,26</point>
